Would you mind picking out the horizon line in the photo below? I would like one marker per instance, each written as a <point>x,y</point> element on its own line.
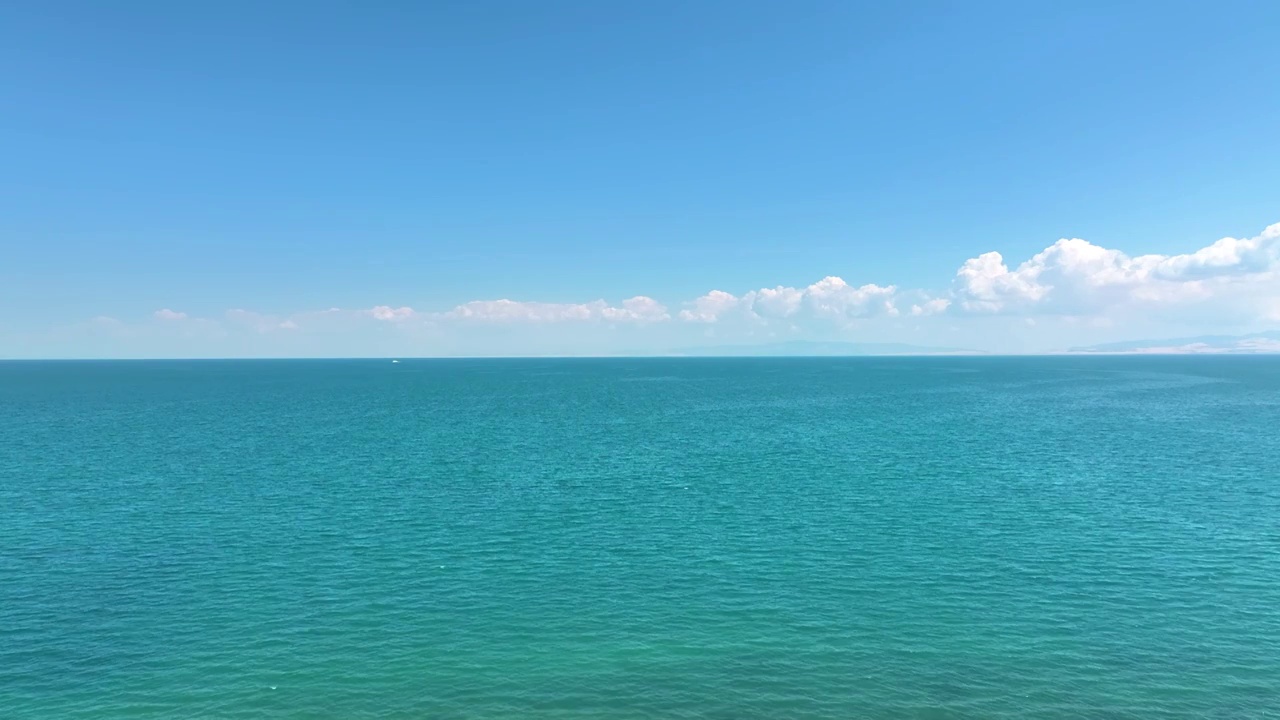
<point>659,356</point>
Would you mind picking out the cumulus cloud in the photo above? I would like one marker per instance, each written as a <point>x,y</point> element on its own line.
<point>167,314</point>
<point>710,307</point>
<point>830,298</point>
<point>780,302</point>
<point>834,298</point>
<point>1228,256</point>
<point>639,309</point>
<point>984,284</point>
<point>1076,276</point>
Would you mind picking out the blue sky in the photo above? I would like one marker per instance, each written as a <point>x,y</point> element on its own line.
<point>411,178</point>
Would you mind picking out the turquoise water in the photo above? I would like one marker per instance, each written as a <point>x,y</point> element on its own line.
<point>695,538</point>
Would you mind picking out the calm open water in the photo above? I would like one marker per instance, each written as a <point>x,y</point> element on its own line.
<point>670,538</point>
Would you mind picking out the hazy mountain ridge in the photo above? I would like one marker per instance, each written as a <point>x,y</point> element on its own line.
<point>1251,344</point>
<point>821,348</point>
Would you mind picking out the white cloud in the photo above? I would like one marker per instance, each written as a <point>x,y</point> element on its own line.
<point>830,298</point>
<point>1072,284</point>
<point>1228,256</point>
<point>834,298</point>
<point>639,309</point>
<point>1074,276</point>
<point>932,306</point>
<point>778,302</point>
<point>386,313</point>
<point>710,307</point>
<point>984,283</point>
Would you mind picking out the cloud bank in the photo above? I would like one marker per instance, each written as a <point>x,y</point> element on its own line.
<point>1071,282</point>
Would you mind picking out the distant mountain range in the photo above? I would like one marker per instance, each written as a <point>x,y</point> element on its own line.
<point>819,348</point>
<point>1268,342</point>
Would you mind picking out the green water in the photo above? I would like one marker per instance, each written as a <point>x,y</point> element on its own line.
<point>696,538</point>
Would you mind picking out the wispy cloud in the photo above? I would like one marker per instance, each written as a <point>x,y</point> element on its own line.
<point>638,309</point>
<point>386,313</point>
<point>259,322</point>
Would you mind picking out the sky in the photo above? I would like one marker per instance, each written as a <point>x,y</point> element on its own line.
<point>324,178</point>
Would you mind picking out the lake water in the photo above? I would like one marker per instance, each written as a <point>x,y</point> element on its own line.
<point>1072,537</point>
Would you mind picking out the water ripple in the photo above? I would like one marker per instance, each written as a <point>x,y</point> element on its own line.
<point>930,538</point>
